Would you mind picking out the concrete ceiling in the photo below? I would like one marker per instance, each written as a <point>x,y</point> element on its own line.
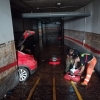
<point>22,6</point>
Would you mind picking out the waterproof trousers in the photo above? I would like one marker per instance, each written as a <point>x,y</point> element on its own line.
<point>89,71</point>
<point>69,62</point>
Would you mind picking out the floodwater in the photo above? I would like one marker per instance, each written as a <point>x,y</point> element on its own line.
<point>49,83</point>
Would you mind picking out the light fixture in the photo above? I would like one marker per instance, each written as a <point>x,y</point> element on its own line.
<point>59,5</point>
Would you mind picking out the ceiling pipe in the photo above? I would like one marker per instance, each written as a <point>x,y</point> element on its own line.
<point>56,14</point>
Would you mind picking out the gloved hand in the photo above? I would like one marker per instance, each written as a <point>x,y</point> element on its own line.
<point>75,71</point>
<point>72,70</point>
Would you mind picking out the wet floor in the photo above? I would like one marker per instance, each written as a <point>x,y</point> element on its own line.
<point>92,91</point>
<point>48,82</point>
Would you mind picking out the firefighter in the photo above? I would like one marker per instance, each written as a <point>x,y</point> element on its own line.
<point>69,60</point>
<point>87,61</point>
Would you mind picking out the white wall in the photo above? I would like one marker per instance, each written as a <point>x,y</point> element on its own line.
<point>89,24</point>
<point>8,63</point>
<point>5,22</point>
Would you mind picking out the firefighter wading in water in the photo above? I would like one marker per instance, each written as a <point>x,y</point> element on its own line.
<point>87,61</point>
<point>69,60</point>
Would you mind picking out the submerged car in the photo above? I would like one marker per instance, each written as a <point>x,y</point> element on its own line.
<point>27,65</point>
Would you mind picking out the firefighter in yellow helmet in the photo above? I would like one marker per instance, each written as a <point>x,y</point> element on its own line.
<point>87,61</point>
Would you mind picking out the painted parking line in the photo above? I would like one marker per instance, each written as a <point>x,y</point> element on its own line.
<point>76,91</point>
<point>54,89</point>
<point>32,90</point>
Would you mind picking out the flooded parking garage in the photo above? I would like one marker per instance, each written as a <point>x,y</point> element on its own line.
<point>48,82</point>
<point>55,26</point>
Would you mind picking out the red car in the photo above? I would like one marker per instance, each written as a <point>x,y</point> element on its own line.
<point>27,65</point>
<point>26,62</point>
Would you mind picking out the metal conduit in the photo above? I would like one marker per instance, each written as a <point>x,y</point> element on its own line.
<point>56,14</point>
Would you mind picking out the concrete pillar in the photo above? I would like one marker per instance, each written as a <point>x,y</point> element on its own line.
<point>40,33</point>
<point>44,36</point>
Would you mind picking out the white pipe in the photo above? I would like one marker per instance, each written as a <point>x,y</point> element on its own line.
<point>56,14</point>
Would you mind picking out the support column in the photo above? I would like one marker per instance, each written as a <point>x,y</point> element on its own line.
<point>40,33</point>
<point>44,37</point>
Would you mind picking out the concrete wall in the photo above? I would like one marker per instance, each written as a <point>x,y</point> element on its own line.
<point>88,24</point>
<point>84,33</point>
<point>8,68</point>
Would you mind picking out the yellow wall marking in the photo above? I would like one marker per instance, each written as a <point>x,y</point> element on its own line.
<point>76,91</point>
<point>54,89</point>
<point>32,90</point>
